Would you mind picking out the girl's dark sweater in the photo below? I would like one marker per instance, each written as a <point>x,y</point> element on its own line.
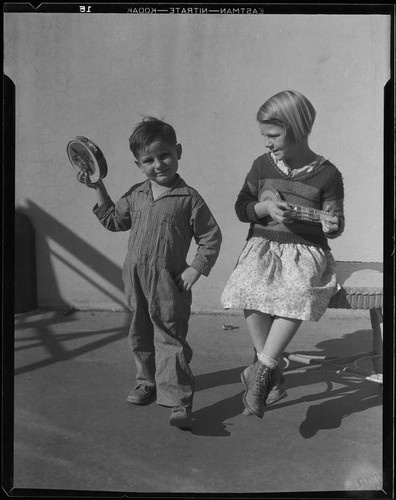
<point>315,189</point>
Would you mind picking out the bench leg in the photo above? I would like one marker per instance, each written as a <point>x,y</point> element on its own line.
<point>377,325</point>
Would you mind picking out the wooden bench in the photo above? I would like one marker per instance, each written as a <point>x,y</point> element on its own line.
<point>362,288</point>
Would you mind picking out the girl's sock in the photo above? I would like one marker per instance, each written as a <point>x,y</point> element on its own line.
<point>266,360</point>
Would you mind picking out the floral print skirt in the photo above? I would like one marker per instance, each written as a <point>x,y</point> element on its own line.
<point>283,279</point>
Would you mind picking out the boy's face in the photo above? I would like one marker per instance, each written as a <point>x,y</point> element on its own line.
<point>160,162</point>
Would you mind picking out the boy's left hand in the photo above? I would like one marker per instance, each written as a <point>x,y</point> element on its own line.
<point>187,278</point>
<point>329,226</point>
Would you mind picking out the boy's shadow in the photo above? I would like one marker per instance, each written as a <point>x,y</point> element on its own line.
<point>209,421</point>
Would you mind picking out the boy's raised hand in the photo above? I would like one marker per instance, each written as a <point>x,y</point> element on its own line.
<point>84,178</point>
<point>187,278</point>
<point>101,192</point>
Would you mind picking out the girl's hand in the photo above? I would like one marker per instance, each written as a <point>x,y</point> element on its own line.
<point>330,226</point>
<point>187,278</point>
<point>278,211</point>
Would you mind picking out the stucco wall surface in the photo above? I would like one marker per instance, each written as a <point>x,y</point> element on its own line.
<point>97,75</point>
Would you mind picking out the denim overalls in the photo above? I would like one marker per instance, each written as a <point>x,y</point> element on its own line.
<point>160,235</point>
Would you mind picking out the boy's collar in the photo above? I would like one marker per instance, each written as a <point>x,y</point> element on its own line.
<point>179,185</point>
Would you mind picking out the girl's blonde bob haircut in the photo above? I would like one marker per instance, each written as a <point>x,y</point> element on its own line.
<point>291,110</point>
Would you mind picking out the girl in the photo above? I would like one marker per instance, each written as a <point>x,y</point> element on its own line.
<point>286,272</point>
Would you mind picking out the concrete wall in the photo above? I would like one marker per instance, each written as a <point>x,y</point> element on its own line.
<point>98,74</point>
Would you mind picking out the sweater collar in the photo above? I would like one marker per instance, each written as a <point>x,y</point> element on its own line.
<point>294,172</point>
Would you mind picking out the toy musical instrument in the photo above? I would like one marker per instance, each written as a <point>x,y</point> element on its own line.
<point>85,156</point>
<point>303,214</point>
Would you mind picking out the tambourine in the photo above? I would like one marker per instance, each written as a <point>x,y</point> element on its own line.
<point>303,214</point>
<point>86,157</point>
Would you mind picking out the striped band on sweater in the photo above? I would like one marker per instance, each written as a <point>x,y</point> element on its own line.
<point>322,187</point>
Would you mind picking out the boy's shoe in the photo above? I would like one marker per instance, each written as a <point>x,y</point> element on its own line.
<point>142,395</point>
<point>181,417</point>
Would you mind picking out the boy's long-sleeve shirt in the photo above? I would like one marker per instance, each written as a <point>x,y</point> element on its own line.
<point>161,230</point>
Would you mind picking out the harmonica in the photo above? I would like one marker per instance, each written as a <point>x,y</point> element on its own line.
<point>304,214</point>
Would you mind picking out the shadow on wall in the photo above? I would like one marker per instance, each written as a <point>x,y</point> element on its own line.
<point>30,243</point>
<point>52,230</point>
<point>58,337</point>
<point>25,290</point>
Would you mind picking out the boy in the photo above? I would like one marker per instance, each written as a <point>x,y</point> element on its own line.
<point>162,214</point>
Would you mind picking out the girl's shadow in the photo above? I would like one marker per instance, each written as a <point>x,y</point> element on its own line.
<point>330,413</point>
<point>210,420</point>
<point>351,397</point>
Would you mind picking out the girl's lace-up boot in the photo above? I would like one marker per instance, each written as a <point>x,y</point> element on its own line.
<point>276,391</point>
<point>256,379</point>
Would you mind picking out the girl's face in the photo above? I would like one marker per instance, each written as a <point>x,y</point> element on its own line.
<point>159,162</point>
<point>277,142</point>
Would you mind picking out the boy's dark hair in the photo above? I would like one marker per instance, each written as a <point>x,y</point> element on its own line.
<point>149,130</point>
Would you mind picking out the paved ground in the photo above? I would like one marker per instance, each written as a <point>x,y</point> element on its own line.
<point>73,429</point>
